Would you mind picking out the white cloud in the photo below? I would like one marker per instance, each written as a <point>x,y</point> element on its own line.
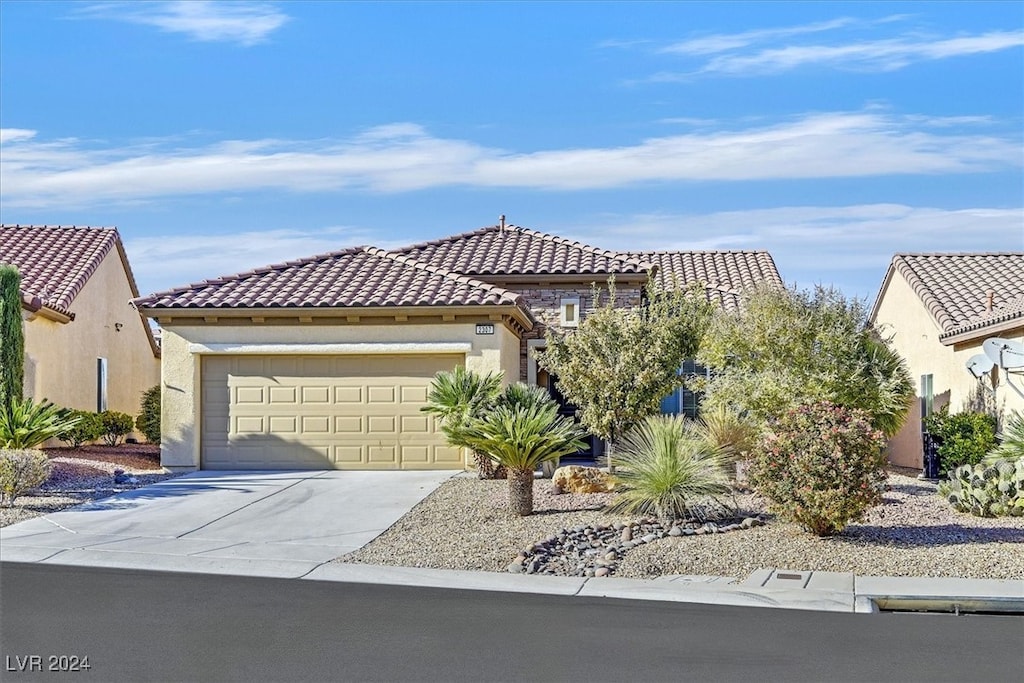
<point>782,49</point>
<point>723,42</point>
<point>878,55</point>
<point>405,157</point>
<point>15,134</point>
<point>849,246</point>
<point>242,22</point>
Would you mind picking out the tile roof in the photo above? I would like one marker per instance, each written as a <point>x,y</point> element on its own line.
<point>512,250</point>
<point>725,274</point>
<point>356,277</point>
<point>955,287</point>
<point>55,261</point>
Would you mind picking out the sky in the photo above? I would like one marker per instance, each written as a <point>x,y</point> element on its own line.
<point>221,136</point>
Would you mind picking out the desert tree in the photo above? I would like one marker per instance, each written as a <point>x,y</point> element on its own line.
<point>619,364</point>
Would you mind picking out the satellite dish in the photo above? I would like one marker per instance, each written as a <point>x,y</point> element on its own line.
<point>979,365</point>
<point>1005,353</point>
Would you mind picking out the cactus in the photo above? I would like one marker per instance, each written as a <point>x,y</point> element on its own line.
<point>991,489</point>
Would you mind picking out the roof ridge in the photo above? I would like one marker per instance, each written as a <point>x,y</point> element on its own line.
<point>959,253</point>
<point>607,253</point>
<point>262,270</point>
<point>444,272</point>
<point>663,252</point>
<point>928,297</point>
<point>79,271</point>
<point>441,240</point>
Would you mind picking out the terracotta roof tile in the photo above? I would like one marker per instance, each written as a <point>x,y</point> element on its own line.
<point>55,261</point>
<point>356,277</point>
<point>513,250</point>
<point>725,274</point>
<point>955,287</point>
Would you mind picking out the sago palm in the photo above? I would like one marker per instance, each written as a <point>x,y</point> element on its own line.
<point>667,471</point>
<point>26,424</point>
<point>522,436</point>
<point>459,397</point>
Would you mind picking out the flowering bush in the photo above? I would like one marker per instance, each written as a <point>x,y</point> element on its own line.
<point>821,465</point>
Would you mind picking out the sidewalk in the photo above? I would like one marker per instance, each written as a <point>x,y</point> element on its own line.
<point>779,588</point>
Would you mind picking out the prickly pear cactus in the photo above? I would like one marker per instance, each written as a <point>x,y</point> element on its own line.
<point>992,489</point>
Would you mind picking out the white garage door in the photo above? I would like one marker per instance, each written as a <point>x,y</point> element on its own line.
<point>322,412</point>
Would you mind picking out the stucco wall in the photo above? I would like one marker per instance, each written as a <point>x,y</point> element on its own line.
<point>60,358</point>
<point>180,448</point>
<point>916,337</point>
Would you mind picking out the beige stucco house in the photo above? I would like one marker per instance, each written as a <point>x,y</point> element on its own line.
<point>940,309</point>
<point>325,362</point>
<point>86,346</point>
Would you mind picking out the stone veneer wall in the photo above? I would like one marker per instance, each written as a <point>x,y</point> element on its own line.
<point>545,303</point>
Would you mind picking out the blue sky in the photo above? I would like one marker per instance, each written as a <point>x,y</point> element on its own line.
<point>223,136</point>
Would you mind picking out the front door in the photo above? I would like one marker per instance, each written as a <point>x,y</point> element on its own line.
<point>566,409</point>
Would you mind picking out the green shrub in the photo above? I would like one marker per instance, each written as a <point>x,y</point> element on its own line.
<point>148,421</point>
<point>20,471</point>
<point>665,469</point>
<point>88,428</point>
<point>1012,445</point>
<point>987,490</point>
<point>27,424</point>
<point>963,438</point>
<point>820,465</point>
<point>728,430</point>
<point>115,426</point>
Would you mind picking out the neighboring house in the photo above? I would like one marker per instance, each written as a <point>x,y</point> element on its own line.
<point>325,362</point>
<point>86,346</point>
<point>939,309</point>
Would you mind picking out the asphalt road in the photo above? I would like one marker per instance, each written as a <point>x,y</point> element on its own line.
<point>159,626</point>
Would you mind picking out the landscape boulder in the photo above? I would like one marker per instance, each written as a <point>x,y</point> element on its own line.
<point>578,479</point>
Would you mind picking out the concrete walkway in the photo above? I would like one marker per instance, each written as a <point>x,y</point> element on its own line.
<point>248,523</point>
<point>292,524</point>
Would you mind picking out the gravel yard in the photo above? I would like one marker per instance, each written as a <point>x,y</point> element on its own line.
<point>84,474</point>
<point>464,524</point>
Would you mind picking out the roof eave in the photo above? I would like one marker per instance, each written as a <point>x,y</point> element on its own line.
<point>517,310</point>
<point>953,338</point>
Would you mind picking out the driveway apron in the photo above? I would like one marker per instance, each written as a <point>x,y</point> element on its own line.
<point>256,523</point>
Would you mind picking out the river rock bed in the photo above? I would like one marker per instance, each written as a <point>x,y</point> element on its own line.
<point>595,550</point>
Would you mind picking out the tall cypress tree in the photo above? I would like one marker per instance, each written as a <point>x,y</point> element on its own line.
<point>12,337</point>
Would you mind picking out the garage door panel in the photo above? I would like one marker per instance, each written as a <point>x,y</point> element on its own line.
<point>380,394</point>
<point>316,395</point>
<point>383,455</point>
<point>283,395</point>
<point>348,455</point>
<point>285,412</point>
<point>415,424</point>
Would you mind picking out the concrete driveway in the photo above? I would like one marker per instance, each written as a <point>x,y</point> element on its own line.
<point>261,523</point>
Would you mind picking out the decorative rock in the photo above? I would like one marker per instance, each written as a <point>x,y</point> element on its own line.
<point>611,556</point>
<point>515,568</point>
<point>602,571</point>
<point>649,537</point>
<point>675,531</point>
<point>627,534</point>
<point>577,479</point>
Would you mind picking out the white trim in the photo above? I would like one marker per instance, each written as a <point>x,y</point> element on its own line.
<point>573,302</point>
<point>532,347</point>
<point>367,349</point>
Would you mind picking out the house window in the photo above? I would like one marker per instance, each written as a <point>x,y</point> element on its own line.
<point>570,311</point>
<point>101,384</point>
<point>927,396</point>
<point>683,401</point>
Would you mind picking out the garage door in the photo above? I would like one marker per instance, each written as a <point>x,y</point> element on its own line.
<point>321,412</point>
